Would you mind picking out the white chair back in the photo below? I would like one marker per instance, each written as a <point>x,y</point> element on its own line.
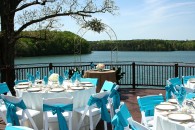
<point>25,112</point>
<point>91,110</point>
<point>54,102</point>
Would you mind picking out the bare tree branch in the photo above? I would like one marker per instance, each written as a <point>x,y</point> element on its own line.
<point>80,13</point>
<point>27,5</point>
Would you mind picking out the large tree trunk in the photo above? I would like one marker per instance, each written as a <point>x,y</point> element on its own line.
<point>7,43</point>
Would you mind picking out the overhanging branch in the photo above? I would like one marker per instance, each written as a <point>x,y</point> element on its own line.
<point>27,5</point>
<point>51,16</point>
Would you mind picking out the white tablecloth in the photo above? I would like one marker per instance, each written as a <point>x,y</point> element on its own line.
<point>33,100</point>
<point>162,122</point>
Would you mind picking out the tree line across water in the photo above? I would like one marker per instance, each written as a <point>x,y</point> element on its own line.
<point>64,43</point>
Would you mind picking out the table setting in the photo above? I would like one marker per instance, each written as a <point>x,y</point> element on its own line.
<point>54,86</point>
<point>177,113</point>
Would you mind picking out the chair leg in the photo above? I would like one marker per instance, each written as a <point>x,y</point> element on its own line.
<point>82,117</point>
<point>105,125</point>
<point>31,120</point>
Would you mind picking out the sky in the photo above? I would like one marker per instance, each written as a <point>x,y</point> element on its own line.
<point>143,19</point>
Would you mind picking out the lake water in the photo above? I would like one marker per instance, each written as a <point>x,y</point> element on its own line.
<point>105,56</point>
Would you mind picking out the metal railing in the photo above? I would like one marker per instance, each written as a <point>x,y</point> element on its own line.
<point>136,74</point>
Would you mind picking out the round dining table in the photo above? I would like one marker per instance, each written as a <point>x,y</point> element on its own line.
<point>106,74</point>
<point>33,98</point>
<point>168,116</point>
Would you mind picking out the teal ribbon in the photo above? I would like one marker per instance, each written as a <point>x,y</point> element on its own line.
<point>3,88</point>
<point>59,109</point>
<point>120,118</point>
<point>11,111</point>
<point>116,98</point>
<point>101,103</point>
<point>148,103</point>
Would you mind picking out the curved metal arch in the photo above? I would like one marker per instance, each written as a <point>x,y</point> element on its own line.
<point>82,31</point>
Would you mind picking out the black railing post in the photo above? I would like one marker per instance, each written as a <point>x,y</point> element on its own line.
<point>50,66</point>
<point>133,75</point>
<point>176,70</point>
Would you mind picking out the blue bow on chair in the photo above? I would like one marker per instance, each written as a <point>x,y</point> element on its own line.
<point>120,118</point>
<point>116,98</point>
<point>11,111</point>
<point>169,89</point>
<point>58,109</point>
<point>101,103</point>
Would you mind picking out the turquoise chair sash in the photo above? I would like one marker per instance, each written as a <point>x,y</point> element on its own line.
<point>101,103</point>
<point>11,111</point>
<point>3,88</point>
<point>148,103</point>
<point>186,78</point>
<point>94,81</point>
<point>59,109</point>
<point>108,86</point>
<point>120,119</point>
<point>175,81</point>
<point>190,95</point>
<point>116,98</point>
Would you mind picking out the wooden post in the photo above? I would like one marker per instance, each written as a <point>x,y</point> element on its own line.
<point>50,66</point>
<point>176,70</point>
<point>133,75</point>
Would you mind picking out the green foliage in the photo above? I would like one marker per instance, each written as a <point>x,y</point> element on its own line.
<point>56,43</point>
<point>144,45</point>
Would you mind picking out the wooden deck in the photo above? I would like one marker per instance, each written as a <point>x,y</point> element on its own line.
<point>129,96</point>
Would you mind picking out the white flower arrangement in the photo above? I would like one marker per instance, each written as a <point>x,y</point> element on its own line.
<point>100,66</point>
<point>54,77</point>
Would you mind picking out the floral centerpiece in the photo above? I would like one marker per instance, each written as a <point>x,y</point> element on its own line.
<point>54,78</point>
<point>100,67</point>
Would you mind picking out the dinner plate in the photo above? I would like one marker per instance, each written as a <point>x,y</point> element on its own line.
<point>21,86</point>
<point>33,89</point>
<point>57,90</point>
<point>106,69</point>
<point>23,83</point>
<point>174,101</point>
<point>166,107</point>
<point>77,88</point>
<point>85,82</point>
<point>88,85</point>
<point>180,117</point>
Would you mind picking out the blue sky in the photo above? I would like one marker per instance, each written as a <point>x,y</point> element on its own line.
<point>145,19</point>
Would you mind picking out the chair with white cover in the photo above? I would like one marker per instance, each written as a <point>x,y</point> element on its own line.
<point>10,127</point>
<point>147,105</point>
<point>3,90</point>
<point>123,120</point>
<point>58,110</point>
<point>185,79</point>
<point>23,114</point>
<point>171,87</point>
<point>189,83</point>
<point>96,107</point>
<point>107,86</point>
<point>114,100</point>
